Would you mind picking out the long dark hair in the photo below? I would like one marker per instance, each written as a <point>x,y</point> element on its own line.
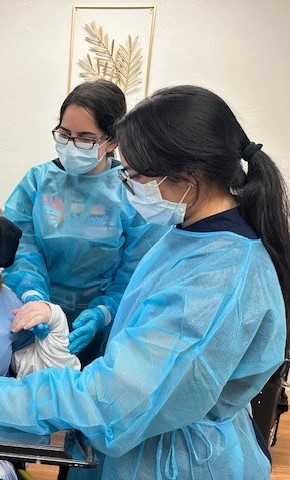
<point>188,129</point>
<point>103,98</point>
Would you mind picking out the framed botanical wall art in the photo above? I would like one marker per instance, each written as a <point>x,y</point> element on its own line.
<point>115,43</point>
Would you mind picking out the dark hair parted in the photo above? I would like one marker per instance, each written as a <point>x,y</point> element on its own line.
<point>188,129</point>
<point>103,99</point>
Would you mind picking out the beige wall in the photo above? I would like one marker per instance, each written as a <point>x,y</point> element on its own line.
<point>238,48</point>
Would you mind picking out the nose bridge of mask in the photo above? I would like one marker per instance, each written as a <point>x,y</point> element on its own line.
<point>81,152</point>
<point>71,147</point>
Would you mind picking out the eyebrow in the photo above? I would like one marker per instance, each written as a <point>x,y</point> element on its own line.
<point>80,133</point>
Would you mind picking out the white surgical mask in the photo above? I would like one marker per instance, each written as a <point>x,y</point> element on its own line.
<point>153,208</point>
<point>77,161</point>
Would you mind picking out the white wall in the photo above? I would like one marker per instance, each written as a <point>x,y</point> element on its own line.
<point>238,48</point>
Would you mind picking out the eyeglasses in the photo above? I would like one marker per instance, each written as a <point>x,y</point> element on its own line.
<point>84,143</point>
<point>125,179</point>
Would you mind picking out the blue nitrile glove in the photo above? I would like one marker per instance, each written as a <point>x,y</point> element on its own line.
<point>85,327</point>
<point>42,329</point>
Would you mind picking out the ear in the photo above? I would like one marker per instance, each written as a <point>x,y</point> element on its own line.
<point>111,145</point>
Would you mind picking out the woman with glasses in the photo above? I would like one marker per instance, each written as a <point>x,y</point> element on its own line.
<point>202,325</point>
<point>81,237</point>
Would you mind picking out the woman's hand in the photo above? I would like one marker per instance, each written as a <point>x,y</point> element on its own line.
<point>29,315</point>
<point>85,327</point>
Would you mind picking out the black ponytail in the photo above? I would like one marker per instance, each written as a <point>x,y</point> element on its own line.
<point>264,204</point>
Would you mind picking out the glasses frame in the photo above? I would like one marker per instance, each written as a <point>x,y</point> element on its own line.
<point>94,141</point>
<point>125,177</point>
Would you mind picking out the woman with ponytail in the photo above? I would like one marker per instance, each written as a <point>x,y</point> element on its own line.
<point>202,324</point>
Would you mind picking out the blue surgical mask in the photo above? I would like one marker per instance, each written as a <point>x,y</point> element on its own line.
<point>77,161</point>
<point>147,200</point>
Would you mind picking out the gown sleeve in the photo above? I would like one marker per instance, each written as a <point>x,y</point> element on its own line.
<point>140,237</point>
<point>179,357</point>
<point>29,269</point>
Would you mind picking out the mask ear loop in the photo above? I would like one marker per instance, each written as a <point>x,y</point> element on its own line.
<point>162,180</point>
<point>105,153</point>
<point>102,156</point>
<point>190,186</point>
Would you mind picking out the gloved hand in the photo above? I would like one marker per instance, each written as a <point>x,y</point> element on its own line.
<point>85,327</point>
<point>42,329</point>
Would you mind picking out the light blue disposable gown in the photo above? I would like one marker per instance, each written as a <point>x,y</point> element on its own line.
<point>200,329</point>
<point>81,238</point>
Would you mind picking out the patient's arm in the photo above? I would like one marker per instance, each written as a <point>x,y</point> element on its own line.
<point>52,350</point>
<point>31,314</point>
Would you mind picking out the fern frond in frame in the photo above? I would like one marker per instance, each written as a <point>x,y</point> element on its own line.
<point>103,50</point>
<point>93,71</point>
<point>123,67</point>
<point>100,41</point>
<point>129,65</point>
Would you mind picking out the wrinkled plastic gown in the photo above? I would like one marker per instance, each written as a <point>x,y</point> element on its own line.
<point>81,241</point>
<point>199,331</point>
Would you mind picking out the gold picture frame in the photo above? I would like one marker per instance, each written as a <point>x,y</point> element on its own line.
<point>113,42</point>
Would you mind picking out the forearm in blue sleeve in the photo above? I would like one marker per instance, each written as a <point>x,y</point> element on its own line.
<point>29,270</point>
<point>113,401</point>
<point>140,237</point>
